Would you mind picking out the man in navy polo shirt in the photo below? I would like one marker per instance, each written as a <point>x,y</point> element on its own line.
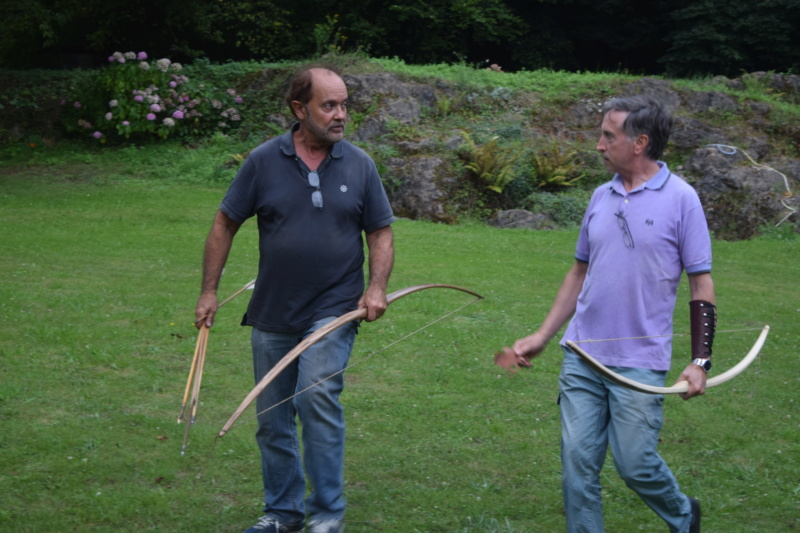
<point>639,233</point>
<point>313,194</point>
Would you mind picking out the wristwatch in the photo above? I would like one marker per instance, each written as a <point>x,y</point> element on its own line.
<point>705,364</point>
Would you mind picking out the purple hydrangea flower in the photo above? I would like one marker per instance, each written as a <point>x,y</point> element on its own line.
<point>178,114</point>
<point>151,116</point>
<point>142,56</point>
<point>139,98</point>
<point>97,135</point>
<point>155,108</point>
<point>126,123</point>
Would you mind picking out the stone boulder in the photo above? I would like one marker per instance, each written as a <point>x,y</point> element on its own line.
<point>738,195</point>
<point>658,89</point>
<point>387,98</point>
<point>710,102</point>
<point>413,187</point>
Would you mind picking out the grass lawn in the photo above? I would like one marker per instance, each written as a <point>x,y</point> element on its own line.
<point>99,278</point>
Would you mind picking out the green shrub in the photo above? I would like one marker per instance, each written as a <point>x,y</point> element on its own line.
<point>555,167</point>
<point>490,163</point>
<point>565,209</point>
<point>136,99</point>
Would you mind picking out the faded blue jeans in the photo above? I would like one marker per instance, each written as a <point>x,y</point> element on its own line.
<point>596,413</point>
<point>320,414</point>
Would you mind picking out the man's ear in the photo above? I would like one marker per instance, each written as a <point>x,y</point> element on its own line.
<point>640,144</point>
<point>299,109</point>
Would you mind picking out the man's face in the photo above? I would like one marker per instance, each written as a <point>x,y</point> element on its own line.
<point>615,147</point>
<point>326,113</point>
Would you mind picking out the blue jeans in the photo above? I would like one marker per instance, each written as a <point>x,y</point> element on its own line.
<point>321,416</point>
<point>596,413</point>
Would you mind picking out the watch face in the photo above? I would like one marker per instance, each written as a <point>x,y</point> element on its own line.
<point>705,364</point>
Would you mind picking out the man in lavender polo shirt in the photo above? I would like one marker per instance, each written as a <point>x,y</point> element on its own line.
<point>639,233</point>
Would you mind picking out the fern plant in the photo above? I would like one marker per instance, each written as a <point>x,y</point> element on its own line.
<point>490,163</point>
<point>555,168</point>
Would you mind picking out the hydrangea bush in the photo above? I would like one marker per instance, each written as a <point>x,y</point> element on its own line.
<point>133,98</point>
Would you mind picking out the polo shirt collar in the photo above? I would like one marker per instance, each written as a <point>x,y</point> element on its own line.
<point>287,146</point>
<point>654,183</point>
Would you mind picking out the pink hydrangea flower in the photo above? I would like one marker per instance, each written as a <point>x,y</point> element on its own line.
<point>151,116</point>
<point>178,114</point>
<point>139,98</point>
<point>126,123</point>
<point>155,108</point>
<point>77,105</point>
<point>97,135</point>
<point>142,56</point>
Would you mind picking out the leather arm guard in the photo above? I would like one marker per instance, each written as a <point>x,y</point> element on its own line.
<point>703,319</point>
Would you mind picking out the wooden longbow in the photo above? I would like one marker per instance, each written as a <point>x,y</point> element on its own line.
<point>681,386</point>
<point>306,343</point>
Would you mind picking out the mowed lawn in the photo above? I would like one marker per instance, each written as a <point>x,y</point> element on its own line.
<point>98,280</point>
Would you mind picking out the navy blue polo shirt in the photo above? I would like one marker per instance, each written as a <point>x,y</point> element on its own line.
<point>311,263</point>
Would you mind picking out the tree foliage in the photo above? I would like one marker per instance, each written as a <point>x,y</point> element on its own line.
<point>678,37</point>
<point>730,37</point>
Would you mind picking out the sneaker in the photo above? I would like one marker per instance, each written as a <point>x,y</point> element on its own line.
<point>326,526</point>
<point>694,527</point>
<point>268,524</point>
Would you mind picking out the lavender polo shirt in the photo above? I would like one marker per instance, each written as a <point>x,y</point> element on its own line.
<point>632,280</point>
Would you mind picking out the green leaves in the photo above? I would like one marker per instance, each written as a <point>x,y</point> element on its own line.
<point>555,166</point>
<point>491,163</point>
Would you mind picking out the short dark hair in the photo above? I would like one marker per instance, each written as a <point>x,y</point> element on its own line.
<point>301,87</point>
<point>645,116</point>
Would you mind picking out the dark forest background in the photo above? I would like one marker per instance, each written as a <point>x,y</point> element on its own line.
<point>667,37</point>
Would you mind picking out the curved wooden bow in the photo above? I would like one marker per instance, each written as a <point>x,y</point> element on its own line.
<point>306,343</point>
<point>681,386</point>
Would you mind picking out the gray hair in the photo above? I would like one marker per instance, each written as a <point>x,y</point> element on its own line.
<point>645,116</point>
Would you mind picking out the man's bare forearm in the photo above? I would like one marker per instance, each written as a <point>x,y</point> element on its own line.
<point>218,246</point>
<point>381,257</point>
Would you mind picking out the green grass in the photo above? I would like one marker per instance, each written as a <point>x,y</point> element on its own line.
<point>100,270</point>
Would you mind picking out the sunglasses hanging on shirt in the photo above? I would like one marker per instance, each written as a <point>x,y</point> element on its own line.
<point>626,232</point>
<point>316,196</point>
